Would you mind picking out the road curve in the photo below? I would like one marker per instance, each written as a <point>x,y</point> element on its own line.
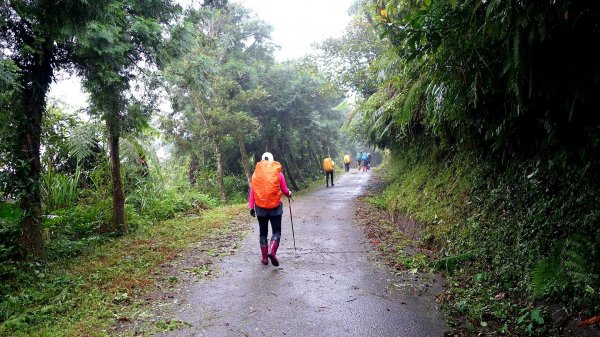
<point>330,285</point>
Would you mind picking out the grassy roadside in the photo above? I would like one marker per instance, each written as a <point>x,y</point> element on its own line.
<point>515,245</point>
<point>396,240</point>
<point>91,294</point>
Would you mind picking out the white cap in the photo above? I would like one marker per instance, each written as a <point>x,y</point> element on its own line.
<point>267,156</point>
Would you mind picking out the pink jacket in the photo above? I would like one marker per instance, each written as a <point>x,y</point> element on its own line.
<point>282,184</point>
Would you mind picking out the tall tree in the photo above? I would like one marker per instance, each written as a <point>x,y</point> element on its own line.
<point>111,55</point>
<point>38,38</point>
<point>215,78</point>
<point>297,111</point>
<point>245,128</point>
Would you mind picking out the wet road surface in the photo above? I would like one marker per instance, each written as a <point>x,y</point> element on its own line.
<point>330,285</point>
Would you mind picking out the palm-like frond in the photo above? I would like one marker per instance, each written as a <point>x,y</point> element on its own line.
<point>137,150</point>
<point>81,141</point>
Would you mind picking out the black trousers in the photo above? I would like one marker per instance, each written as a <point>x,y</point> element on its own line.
<point>327,174</point>
<point>263,223</point>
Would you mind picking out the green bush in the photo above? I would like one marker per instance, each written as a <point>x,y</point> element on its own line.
<point>236,189</point>
<point>156,200</point>
<point>206,182</point>
<point>9,233</point>
<point>81,220</point>
<point>71,229</point>
<point>520,230</point>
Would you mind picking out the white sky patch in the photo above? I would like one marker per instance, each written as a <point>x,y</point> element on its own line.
<point>67,88</point>
<point>299,23</point>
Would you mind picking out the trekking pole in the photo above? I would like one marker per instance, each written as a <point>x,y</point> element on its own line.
<point>292,221</point>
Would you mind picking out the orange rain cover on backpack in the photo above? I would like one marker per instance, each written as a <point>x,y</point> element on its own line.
<point>327,165</point>
<point>265,184</point>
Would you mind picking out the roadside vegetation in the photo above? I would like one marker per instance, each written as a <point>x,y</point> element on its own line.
<point>105,282</point>
<point>494,242</point>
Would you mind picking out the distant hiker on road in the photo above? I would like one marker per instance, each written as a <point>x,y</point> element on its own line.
<point>368,161</point>
<point>265,203</point>
<point>328,167</point>
<point>347,162</point>
<point>358,159</point>
<point>365,161</point>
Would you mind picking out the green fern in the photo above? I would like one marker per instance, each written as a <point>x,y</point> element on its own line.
<point>577,263</point>
<point>548,277</point>
<point>568,271</point>
<point>130,149</point>
<point>137,150</point>
<point>81,141</point>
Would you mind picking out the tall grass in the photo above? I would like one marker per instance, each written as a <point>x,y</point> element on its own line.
<point>60,190</point>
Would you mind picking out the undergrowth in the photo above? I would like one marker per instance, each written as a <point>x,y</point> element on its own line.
<point>520,246</point>
<point>87,294</point>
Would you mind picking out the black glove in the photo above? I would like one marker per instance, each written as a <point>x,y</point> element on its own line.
<point>253,213</point>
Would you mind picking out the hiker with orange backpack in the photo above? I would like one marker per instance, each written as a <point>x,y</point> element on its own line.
<point>347,162</point>
<point>264,201</point>
<point>328,167</point>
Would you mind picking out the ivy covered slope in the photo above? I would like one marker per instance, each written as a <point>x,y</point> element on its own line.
<point>489,110</point>
<point>512,245</point>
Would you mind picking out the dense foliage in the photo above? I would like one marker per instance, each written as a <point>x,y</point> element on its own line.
<point>104,41</point>
<point>242,99</point>
<point>230,102</point>
<point>489,108</point>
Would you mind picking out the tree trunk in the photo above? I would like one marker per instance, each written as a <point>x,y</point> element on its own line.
<point>193,169</point>
<point>286,167</point>
<point>322,153</point>
<point>292,160</point>
<point>220,172</point>
<point>118,195</point>
<point>244,159</point>
<point>288,172</point>
<point>29,174</point>
<point>143,162</point>
<point>35,83</point>
<point>290,176</point>
<point>300,175</point>
<point>313,156</point>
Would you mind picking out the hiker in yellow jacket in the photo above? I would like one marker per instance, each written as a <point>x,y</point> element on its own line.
<point>328,167</point>
<point>347,162</point>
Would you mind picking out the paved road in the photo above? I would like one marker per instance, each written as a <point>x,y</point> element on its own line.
<point>329,286</point>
